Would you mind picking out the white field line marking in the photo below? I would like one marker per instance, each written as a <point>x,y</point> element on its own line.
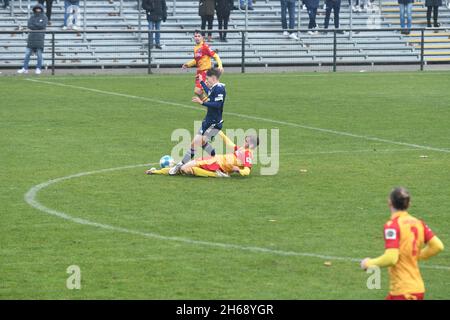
<point>348,151</point>
<point>292,124</point>
<point>250,74</point>
<point>30,198</point>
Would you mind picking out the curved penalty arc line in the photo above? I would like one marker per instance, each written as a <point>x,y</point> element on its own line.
<point>31,195</point>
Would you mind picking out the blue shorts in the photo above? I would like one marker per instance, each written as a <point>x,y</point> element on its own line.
<point>210,129</point>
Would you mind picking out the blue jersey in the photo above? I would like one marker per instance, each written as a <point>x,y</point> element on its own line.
<point>216,99</point>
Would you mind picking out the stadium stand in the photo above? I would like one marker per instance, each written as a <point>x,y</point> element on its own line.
<point>264,48</point>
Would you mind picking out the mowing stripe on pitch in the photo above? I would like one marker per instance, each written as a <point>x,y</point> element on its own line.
<point>30,198</point>
<point>240,115</point>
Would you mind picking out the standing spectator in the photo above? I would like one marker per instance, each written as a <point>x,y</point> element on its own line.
<point>5,4</point>
<point>433,5</point>
<point>288,5</point>
<point>360,5</point>
<point>206,10</point>
<point>223,10</point>
<point>48,9</point>
<point>73,15</point>
<point>249,4</point>
<point>156,11</point>
<point>35,43</point>
<point>334,5</point>
<point>405,9</point>
<point>311,6</point>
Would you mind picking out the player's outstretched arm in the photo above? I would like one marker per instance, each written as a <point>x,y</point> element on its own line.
<point>189,64</point>
<point>433,247</point>
<point>227,140</point>
<point>219,62</point>
<point>388,259</point>
<point>205,87</point>
<point>244,172</point>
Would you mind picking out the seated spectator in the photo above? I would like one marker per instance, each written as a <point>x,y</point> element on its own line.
<point>206,10</point>
<point>35,43</point>
<point>48,9</point>
<point>156,11</point>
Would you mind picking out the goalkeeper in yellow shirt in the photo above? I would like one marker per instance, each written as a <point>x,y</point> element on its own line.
<point>407,240</point>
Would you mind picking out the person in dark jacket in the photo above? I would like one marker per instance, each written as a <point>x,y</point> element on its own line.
<point>433,5</point>
<point>206,12</point>
<point>311,6</point>
<point>35,43</point>
<point>156,12</point>
<point>334,5</point>
<point>223,10</point>
<point>405,9</point>
<point>48,8</point>
<point>5,4</point>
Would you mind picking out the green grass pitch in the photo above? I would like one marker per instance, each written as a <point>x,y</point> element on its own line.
<point>337,208</point>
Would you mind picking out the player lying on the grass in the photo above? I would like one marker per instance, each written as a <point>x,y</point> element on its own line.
<point>212,122</point>
<point>407,240</point>
<point>202,60</point>
<point>220,166</point>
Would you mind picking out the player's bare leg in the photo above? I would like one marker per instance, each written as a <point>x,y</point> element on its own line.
<point>187,167</point>
<point>200,93</point>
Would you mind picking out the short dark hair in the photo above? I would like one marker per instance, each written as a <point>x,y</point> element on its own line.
<point>400,198</point>
<point>213,72</point>
<point>198,31</point>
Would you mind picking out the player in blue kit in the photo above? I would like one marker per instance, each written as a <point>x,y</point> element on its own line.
<point>212,123</point>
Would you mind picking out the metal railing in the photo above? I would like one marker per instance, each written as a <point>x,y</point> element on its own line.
<point>174,10</point>
<point>335,50</point>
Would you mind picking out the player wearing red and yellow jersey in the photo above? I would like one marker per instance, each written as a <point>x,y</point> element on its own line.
<point>407,240</point>
<point>240,161</point>
<point>222,165</point>
<point>202,60</point>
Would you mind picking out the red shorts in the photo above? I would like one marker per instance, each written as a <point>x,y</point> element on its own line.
<point>209,164</point>
<point>200,76</point>
<point>412,296</point>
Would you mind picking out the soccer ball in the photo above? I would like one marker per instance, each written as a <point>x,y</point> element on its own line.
<point>166,162</point>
